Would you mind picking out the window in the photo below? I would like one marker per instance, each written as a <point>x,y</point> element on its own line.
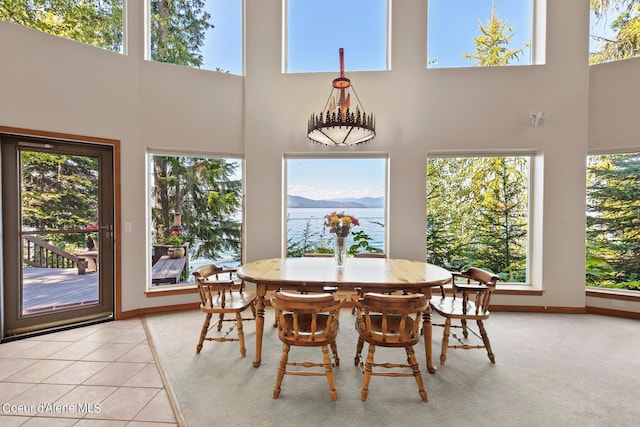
<point>195,207</point>
<point>478,214</point>
<point>203,34</point>
<point>316,30</point>
<point>613,229</point>
<point>615,29</point>
<point>467,33</point>
<point>95,22</point>
<point>317,187</point>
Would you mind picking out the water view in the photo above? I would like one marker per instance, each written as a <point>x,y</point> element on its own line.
<point>311,221</point>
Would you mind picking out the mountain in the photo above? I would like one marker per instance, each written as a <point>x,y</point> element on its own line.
<point>362,202</point>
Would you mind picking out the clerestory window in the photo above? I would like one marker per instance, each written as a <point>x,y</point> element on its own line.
<point>479,33</point>
<point>314,31</point>
<point>94,22</point>
<point>204,34</point>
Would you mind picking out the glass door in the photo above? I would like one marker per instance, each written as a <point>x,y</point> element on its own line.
<point>57,223</point>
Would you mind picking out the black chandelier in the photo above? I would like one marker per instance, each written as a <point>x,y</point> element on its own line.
<point>338,123</point>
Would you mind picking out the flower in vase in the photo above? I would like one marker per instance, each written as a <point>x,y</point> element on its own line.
<point>339,223</point>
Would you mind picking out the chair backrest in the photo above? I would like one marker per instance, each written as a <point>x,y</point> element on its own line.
<point>214,283</point>
<point>478,281</point>
<point>369,255</point>
<point>390,320</point>
<point>306,317</point>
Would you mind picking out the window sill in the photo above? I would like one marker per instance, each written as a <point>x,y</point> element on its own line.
<point>617,294</point>
<point>169,290</point>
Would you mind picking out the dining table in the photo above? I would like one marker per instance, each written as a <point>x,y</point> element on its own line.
<point>357,275</point>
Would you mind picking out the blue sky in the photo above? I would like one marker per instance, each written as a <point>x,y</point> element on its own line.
<point>223,45</point>
<point>336,178</point>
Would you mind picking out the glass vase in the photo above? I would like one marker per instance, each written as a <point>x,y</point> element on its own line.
<point>340,250</point>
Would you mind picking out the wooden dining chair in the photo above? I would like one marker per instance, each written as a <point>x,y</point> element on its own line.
<point>365,255</point>
<point>220,293</point>
<point>389,321</point>
<point>307,320</point>
<point>469,301</point>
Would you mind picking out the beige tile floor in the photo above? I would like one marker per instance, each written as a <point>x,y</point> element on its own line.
<point>98,375</point>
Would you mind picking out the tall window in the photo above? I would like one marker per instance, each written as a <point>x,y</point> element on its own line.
<point>615,30</point>
<point>613,227</point>
<point>196,215</point>
<point>478,214</point>
<point>466,33</point>
<point>316,30</point>
<point>203,34</point>
<point>95,22</point>
<point>319,186</point>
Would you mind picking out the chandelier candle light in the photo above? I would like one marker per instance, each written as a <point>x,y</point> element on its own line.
<point>340,225</point>
<point>339,124</point>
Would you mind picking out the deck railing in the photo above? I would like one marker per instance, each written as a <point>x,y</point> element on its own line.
<point>41,254</point>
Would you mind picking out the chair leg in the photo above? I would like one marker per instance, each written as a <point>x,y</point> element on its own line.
<point>243,351</point>
<point>329,372</point>
<point>445,340</point>
<point>334,350</point>
<point>465,331</point>
<point>358,358</point>
<point>413,361</point>
<point>485,340</point>
<point>334,347</point>
<point>281,370</point>
<point>203,333</point>
<point>368,371</point>
<point>220,320</point>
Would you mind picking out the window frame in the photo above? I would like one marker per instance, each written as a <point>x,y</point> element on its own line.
<point>530,250</point>
<point>338,156</point>
<point>168,289</point>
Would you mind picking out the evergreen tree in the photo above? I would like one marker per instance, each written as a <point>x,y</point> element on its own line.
<point>477,214</point>
<point>58,192</point>
<point>178,31</point>
<point>492,44</point>
<point>203,191</point>
<point>613,216</point>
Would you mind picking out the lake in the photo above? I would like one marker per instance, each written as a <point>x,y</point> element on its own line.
<point>371,222</point>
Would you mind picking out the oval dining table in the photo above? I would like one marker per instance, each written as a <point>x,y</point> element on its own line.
<point>368,274</point>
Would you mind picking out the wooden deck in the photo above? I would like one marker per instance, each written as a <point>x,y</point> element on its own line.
<point>48,289</point>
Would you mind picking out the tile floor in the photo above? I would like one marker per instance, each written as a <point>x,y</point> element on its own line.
<point>98,375</point>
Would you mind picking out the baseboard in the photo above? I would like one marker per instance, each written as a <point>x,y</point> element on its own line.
<point>139,312</point>
<point>495,308</point>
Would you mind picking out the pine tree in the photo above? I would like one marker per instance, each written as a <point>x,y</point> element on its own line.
<point>203,192</point>
<point>492,43</point>
<point>613,214</point>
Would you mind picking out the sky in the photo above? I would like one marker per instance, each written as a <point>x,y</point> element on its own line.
<point>320,179</point>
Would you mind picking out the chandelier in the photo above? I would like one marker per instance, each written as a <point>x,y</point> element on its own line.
<point>338,123</point>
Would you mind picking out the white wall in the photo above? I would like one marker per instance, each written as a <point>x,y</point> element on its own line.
<point>57,85</point>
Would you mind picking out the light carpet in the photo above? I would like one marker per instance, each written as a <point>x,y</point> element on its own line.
<point>550,370</point>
